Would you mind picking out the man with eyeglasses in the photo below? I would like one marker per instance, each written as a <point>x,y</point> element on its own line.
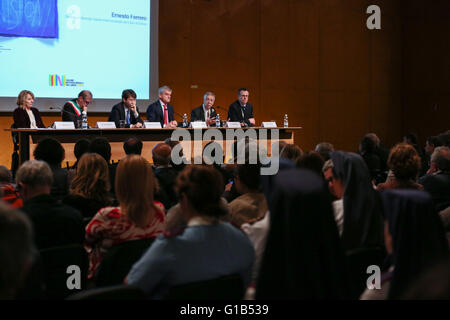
<point>73,109</point>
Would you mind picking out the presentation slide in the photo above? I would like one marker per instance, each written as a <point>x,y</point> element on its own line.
<point>56,48</point>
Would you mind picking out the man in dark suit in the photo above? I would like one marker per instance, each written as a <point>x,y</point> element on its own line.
<point>73,108</point>
<point>241,110</point>
<point>206,111</point>
<point>161,111</point>
<point>126,110</point>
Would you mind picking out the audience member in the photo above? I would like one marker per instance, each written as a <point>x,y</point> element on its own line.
<point>414,236</point>
<point>133,146</point>
<point>207,248</point>
<point>367,150</point>
<point>81,147</point>
<point>291,152</point>
<point>324,149</point>
<point>363,224</point>
<point>336,189</point>
<point>54,224</point>
<point>411,139</point>
<point>404,162</point>
<point>137,217</point>
<point>303,258</point>
<point>380,150</point>
<point>312,161</point>
<point>89,191</point>
<point>8,191</point>
<point>172,144</point>
<point>437,182</point>
<point>251,205</point>
<point>101,146</point>
<point>16,250</point>
<point>25,115</point>
<point>165,174</point>
<point>52,152</point>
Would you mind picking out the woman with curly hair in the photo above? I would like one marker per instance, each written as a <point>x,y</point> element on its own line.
<point>404,162</point>
<point>89,191</point>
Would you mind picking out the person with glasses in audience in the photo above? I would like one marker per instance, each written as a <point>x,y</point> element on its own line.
<point>73,109</point>
<point>126,110</point>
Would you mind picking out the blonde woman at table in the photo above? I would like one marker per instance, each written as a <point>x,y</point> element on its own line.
<point>25,115</point>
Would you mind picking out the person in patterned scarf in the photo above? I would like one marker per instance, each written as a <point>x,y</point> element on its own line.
<point>73,108</point>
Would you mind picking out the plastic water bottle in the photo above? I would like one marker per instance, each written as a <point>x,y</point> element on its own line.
<point>84,119</point>
<point>185,122</point>
<point>218,121</point>
<point>286,122</point>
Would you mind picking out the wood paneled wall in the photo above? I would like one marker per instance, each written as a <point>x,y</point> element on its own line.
<point>313,59</point>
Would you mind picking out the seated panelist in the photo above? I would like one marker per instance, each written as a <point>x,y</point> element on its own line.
<point>206,111</point>
<point>126,110</point>
<point>73,109</point>
<point>242,111</point>
<point>25,115</point>
<point>161,111</point>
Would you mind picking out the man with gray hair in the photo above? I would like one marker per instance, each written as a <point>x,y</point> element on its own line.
<point>206,111</point>
<point>161,111</point>
<point>55,224</point>
<point>73,109</point>
<point>16,250</point>
<point>437,181</point>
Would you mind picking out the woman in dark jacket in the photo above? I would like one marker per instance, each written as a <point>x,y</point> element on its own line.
<point>25,115</point>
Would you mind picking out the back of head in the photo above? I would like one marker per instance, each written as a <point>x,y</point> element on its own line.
<point>291,152</point>
<point>81,147</point>
<point>203,187</point>
<point>303,246</point>
<point>404,161</point>
<point>161,154</point>
<point>5,175</point>
<point>249,175</point>
<point>367,145</point>
<point>133,146</point>
<point>324,149</point>
<point>441,156</point>
<point>312,161</point>
<point>418,237</point>
<point>445,138</point>
<point>101,146</point>
<point>50,151</point>
<point>134,188</point>
<point>35,173</point>
<point>411,138</point>
<point>16,247</point>
<point>92,179</point>
<point>213,153</point>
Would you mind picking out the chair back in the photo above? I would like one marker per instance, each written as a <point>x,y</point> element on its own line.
<point>121,292</point>
<point>118,261</point>
<point>64,268</point>
<point>229,287</point>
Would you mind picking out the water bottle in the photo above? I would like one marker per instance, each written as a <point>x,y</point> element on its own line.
<point>218,121</point>
<point>286,122</point>
<point>84,123</point>
<point>185,122</point>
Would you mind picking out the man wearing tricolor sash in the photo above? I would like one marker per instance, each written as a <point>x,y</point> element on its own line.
<point>73,108</point>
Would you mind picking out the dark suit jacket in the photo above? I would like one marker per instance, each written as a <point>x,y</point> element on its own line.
<point>118,113</point>
<point>198,115</point>
<point>438,186</point>
<point>54,224</point>
<point>235,114</point>
<point>22,120</point>
<point>155,113</point>
<point>69,114</point>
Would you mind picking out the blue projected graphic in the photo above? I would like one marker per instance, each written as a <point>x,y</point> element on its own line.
<point>56,48</point>
<point>29,18</point>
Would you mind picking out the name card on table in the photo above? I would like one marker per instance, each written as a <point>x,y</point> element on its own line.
<point>270,124</point>
<point>64,125</point>
<point>106,125</point>
<point>233,124</point>
<point>152,125</point>
<point>198,125</point>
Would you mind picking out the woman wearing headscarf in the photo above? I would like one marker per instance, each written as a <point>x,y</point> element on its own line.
<point>414,237</point>
<point>303,257</point>
<point>363,223</point>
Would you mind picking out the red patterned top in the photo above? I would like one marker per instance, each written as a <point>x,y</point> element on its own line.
<point>109,227</point>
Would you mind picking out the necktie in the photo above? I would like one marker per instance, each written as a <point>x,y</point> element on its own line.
<point>128,116</point>
<point>166,116</point>
<point>206,115</point>
<point>243,112</point>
